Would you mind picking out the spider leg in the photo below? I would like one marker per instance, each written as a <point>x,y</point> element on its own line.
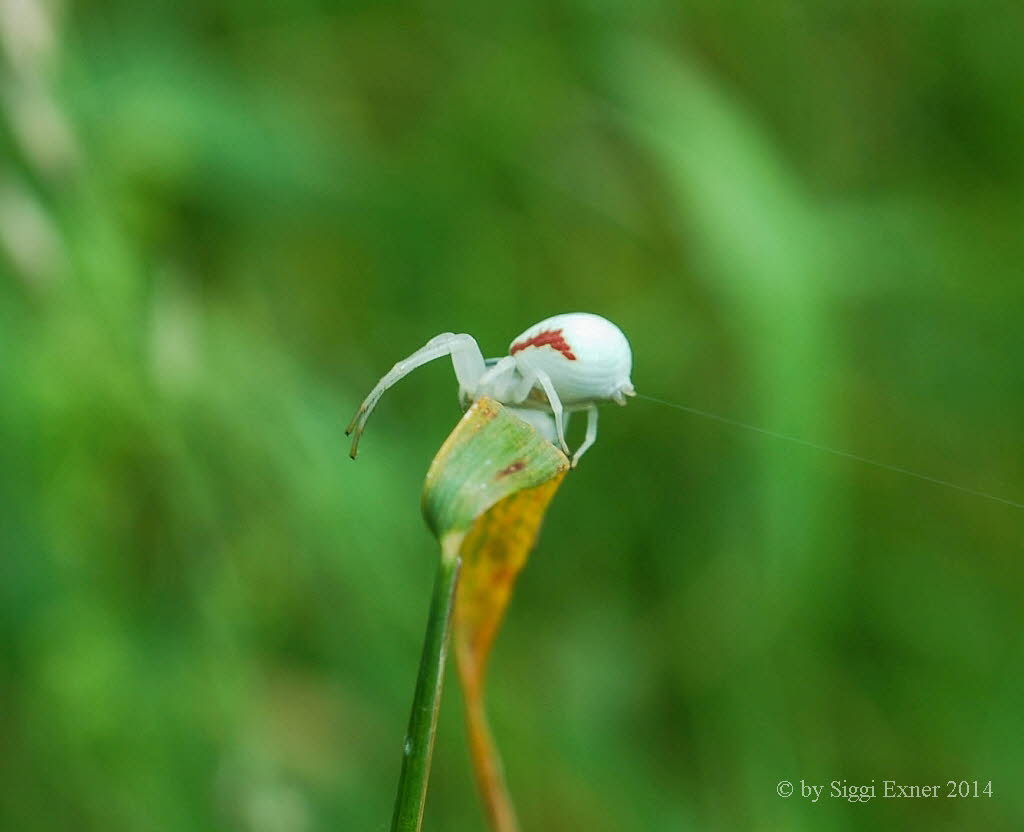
<point>544,380</point>
<point>591,436</point>
<point>467,360</point>
<point>498,378</point>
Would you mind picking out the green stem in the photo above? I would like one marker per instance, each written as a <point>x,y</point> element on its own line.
<point>419,738</point>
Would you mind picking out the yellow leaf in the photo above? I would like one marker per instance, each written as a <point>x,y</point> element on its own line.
<point>485,497</point>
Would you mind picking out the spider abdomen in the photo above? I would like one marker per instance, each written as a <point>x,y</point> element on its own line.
<point>586,356</point>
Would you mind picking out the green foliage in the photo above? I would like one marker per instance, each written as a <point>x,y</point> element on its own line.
<point>220,223</point>
<point>484,499</point>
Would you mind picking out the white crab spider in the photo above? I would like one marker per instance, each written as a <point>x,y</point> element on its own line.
<point>563,364</point>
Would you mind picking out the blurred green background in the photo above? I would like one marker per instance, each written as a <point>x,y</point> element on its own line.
<point>221,222</point>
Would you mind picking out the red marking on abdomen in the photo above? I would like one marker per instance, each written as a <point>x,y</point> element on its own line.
<point>547,338</point>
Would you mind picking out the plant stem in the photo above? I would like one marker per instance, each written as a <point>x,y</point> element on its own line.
<point>419,738</point>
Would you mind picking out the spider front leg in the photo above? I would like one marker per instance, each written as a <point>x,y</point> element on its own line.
<point>467,360</point>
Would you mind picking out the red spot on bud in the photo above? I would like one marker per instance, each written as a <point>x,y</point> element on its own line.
<point>514,468</point>
<point>548,338</point>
